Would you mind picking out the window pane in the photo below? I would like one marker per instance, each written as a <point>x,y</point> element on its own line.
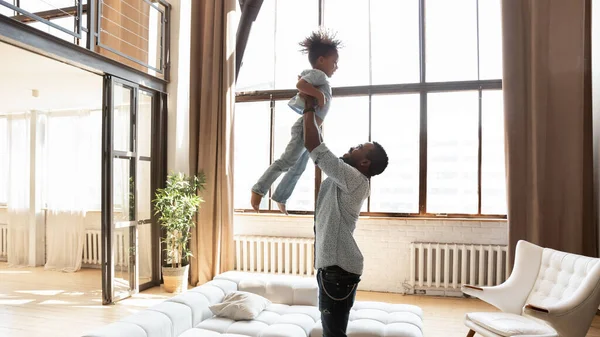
<point>303,198</point>
<point>394,41</point>
<point>124,189</point>
<point>144,192</point>
<point>145,252</point>
<point>490,40</point>
<point>252,130</point>
<point>4,162</point>
<point>451,40</point>
<point>396,126</point>
<point>257,71</point>
<point>452,152</point>
<point>347,125</point>
<point>289,61</point>
<point>352,25</point>
<point>144,141</point>
<point>122,118</point>
<point>493,179</point>
<point>124,250</point>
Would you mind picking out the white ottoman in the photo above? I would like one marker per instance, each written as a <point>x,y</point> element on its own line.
<point>381,319</point>
<point>293,313</point>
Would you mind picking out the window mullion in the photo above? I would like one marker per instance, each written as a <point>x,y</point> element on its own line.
<point>423,115</point>
<point>321,13</point>
<point>479,152</point>
<point>272,142</point>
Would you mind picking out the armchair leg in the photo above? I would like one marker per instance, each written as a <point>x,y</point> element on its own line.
<point>471,333</point>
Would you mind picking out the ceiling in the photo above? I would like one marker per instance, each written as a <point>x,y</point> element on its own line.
<point>60,86</point>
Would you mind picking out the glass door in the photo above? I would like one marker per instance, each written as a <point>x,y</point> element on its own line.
<point>119,192</point>
<point>133,164</point>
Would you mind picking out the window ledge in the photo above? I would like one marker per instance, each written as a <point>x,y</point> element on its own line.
<point>479,218</point>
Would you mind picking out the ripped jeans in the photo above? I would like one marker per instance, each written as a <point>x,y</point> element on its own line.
<point>337,290</point>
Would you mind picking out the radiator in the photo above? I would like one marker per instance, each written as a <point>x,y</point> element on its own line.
<point>92,249</point>
<point>268,254</point>
<point>442,266</point>
<point>3,242</point>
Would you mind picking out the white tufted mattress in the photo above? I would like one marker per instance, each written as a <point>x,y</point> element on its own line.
<point>294,313</point>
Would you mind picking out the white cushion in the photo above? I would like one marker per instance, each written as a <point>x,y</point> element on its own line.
<point>560,276</point>
<point>207,333</point>
<point>505,324</point>
<point>119,329</point>
<point>198,303</point>
<point>282,289</point>
<point>179,314</point>
<point>240,305</point>
<point>154,323</point>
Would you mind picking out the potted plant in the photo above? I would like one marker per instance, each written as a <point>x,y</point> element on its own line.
<point>176,205</point>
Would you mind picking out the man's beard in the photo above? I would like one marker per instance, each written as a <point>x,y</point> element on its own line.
<point>348,160</point>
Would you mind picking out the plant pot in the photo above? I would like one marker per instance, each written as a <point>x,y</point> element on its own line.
<point>175,279</point>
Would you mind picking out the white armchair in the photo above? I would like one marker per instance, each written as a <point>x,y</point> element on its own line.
<point>548,294</point>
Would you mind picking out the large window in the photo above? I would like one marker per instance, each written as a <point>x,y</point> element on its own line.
<point>421,77</point>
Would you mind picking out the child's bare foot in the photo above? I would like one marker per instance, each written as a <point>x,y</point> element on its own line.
<point>282,208</point>
<point>255,200</point>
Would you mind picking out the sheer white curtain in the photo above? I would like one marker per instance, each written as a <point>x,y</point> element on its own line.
<point>68,185</point>
<point>19,215</point>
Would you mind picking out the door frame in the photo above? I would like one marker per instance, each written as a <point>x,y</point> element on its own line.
<point>157,180</point>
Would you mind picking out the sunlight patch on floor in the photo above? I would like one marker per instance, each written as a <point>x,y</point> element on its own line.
<point>40,292</point>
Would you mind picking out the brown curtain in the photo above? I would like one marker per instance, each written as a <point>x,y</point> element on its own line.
<point>212,98</point>
<point>548,119</point>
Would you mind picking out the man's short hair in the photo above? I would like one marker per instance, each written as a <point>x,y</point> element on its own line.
<point>378,158</point>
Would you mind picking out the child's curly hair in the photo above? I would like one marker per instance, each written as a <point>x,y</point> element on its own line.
<point>320,43</point>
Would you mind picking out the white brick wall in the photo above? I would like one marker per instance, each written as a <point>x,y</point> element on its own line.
<point>384,241</point>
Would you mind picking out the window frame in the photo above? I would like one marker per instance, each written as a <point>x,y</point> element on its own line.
<point>423,88</point>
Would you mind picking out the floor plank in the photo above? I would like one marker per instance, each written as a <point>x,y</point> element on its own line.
<point>34,302</point>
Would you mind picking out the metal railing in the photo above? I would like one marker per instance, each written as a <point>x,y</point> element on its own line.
<point>132,32</point>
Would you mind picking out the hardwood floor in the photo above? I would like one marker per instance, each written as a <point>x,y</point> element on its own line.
<point>34,302</point>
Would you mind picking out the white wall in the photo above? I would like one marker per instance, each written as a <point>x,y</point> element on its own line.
<point>179,87</point>
<point>3,216</point>
<point>384,242</point>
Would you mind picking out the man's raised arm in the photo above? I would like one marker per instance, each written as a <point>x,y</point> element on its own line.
<point>312,136</point>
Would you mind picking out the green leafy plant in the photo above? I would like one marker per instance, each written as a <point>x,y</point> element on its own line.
<point>175,205</point>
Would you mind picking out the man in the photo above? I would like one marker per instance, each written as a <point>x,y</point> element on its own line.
<point>338,259</point>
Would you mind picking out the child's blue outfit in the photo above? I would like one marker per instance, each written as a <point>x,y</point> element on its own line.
<point>295,157</point>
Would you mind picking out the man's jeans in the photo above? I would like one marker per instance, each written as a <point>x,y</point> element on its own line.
<point>337,290</point>
<point>293,160</point>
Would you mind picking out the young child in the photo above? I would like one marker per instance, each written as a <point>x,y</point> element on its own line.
<point>322,49</point>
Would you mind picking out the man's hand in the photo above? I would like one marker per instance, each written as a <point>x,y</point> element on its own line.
<point>308,89</point>
<point>311,102</point>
